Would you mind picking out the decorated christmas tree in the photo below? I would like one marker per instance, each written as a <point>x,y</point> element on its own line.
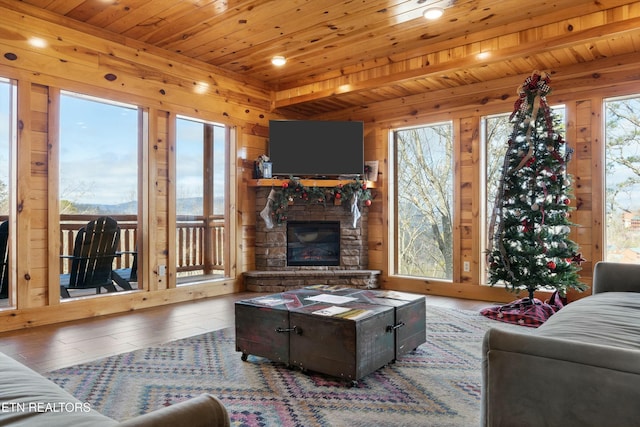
<point>530,248</point>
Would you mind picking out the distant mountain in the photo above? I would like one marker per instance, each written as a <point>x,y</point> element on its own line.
<point>186,206</point>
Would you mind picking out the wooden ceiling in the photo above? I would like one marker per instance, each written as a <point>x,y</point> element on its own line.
<point>351,54</point>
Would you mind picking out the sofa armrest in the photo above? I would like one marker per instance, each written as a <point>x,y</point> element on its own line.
<point>616,277</point>
<point>201,411</point>
<point>533,380</point>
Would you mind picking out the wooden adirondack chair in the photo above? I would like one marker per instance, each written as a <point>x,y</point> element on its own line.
<point>124,276</point>
<point>4,259</point>
<point>92,261</point>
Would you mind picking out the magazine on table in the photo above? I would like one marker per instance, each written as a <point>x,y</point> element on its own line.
<point>343,312</point>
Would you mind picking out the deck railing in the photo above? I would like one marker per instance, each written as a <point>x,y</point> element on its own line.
<point>195,252</point>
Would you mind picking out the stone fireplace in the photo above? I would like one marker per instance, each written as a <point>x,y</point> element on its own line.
<point>348,267</point>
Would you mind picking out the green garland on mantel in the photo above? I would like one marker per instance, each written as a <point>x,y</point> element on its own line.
<point>293,191</point>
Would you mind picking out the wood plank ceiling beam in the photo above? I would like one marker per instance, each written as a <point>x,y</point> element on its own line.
<point>386,75</point>
<point>567,80</point>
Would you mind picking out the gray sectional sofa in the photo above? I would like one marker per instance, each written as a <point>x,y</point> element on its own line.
<point>580,368</point>
<point>29,399</point>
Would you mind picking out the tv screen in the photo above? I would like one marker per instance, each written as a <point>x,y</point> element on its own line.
<point>316,148</point>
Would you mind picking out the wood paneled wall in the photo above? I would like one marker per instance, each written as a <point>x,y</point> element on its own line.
<point>101,64</point>
<point>162,84</point>
<point>584,133</point>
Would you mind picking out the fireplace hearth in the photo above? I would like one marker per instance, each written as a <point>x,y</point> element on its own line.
<point>313,243</point>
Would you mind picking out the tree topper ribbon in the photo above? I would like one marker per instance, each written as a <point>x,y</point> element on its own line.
<point>536,85</point>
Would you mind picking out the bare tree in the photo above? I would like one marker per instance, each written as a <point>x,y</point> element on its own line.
<point>4,198</point>
<point>622,167</point>
<point>623,148</point>
<point>497,131</point>
<point>425,201</point>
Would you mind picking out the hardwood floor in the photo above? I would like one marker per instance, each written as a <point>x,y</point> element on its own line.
<point>50,347</point>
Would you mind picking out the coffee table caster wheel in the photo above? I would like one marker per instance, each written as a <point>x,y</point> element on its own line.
<point>244,357</point>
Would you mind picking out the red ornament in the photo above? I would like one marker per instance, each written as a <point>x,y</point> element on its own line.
<point>338,195</point>
<point>285,185</point>
<point>367,202</point>
<point>567,201</point>
<point>551,265</point>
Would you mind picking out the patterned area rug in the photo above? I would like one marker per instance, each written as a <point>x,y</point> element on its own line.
<point>437,385</point>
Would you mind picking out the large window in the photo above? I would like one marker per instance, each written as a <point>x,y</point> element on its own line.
<point>423,226</point>
<point>201,182</point>
<point>622,176</point>
<point>7,135</point>
<point>98,169</point>
<point>497,130</point>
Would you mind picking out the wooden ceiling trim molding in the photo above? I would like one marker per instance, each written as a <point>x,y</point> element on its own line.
<point>419,39</point>
<point>89,58</point>
<point>568,39</point>
<point>122,63</point>
<point>91,80</point>
<point>32,17</point>
<point>341,54</point>
<point>597,10</point>
<point>363,80</point>
<point>481,96</point>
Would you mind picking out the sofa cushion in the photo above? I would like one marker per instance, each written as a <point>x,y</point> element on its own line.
<point>610,318</point>
<point>29,399</point>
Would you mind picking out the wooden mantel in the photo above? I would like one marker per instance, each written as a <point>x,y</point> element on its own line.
<point>312,182</point>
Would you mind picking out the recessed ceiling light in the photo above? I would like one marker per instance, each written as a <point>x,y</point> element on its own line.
<point>278,60</point>
<point>37,42</point>
<point>200,87</point>
<point>433,13</point>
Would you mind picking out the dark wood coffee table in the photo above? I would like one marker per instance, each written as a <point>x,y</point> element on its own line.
<point>346,333</point>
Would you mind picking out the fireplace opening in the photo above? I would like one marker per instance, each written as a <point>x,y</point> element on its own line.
<point>313,243</point>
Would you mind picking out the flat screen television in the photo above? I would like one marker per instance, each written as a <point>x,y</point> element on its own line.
<point>316,148</point>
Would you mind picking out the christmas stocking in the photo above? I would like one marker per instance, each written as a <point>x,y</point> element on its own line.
<point>355,212</point>
<point>266,212</point>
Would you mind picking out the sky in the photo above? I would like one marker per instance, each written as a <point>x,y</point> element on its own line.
<point>99,153</point>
